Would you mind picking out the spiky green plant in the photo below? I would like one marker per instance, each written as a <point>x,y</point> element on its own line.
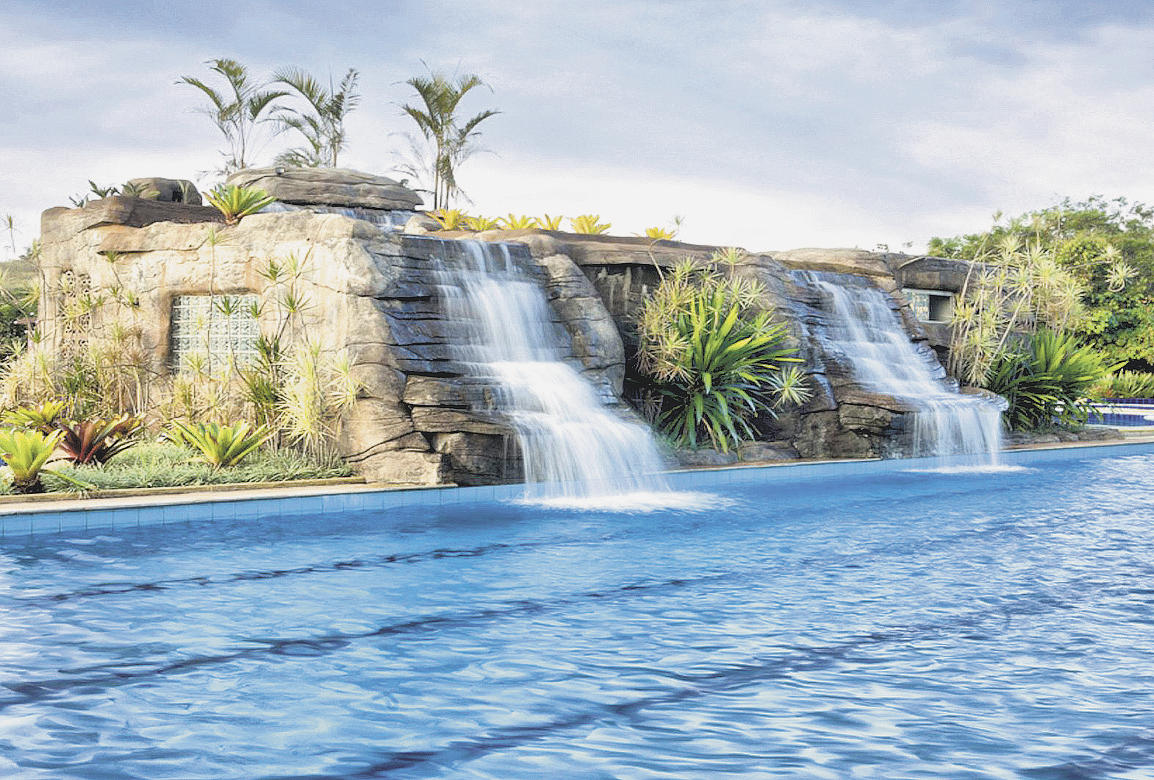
<point>25,452</point>
<point>321,120</point>
<point>41,417</point>
<point>235,202</point>
<point>220,446</point>
<point>590,224</point>
<point>716,362</point>
<point>513,221</point>
<point>450,219</point>
<point>1123,384</point>
<point>549,222</point>
<point>480,223</point>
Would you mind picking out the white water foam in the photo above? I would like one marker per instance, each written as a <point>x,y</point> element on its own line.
<point>576,448</point>
<point>865,332</point>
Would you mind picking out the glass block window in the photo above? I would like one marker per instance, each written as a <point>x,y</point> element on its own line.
<point>931,305</point>
<point>213,327</point>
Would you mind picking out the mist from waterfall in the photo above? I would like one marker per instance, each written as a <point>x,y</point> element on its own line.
<point>867,334</point>
<point>574,444</point>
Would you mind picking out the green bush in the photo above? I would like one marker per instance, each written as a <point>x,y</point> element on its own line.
<point>1124,384</point>
<point>26,452</point>
<point>1047,382</point>
<point>220,446</point>
<point>715,362</point>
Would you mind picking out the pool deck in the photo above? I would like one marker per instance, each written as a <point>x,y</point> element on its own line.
<point>48,513</point>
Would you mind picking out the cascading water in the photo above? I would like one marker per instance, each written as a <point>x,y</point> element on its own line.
<point>866,333</point>
<point>572,444</point>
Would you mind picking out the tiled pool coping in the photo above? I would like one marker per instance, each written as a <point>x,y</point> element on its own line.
<point>58,516</point>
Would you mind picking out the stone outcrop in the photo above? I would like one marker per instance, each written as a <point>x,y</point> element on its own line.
<point>328,187</point>
<point>166,190</point>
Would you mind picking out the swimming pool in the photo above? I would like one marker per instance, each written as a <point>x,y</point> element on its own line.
<point>869,622</point>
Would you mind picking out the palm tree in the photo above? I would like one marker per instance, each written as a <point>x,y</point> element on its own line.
<point>451,142</point>
<point>237,108</point>
<point>322,122</point>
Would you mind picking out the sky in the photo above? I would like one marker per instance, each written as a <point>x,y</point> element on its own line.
<point>767,125</point>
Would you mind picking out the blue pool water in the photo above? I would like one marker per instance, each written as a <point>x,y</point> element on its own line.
<point>886,625</point>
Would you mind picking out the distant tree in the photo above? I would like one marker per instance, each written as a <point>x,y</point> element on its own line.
<point>237,108</point>
<point>449,141</point>
<point>322,119</point>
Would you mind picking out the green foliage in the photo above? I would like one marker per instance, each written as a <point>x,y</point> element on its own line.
<point>548,222</point>
<point>448,141</point>
<point>321,121</point>
<point>1047,381</point>
<point>1123,384</point>
<point>26,452</point>
<point>41,417</point>
<point>236,109</point>
<point>1108,246</point>
<point>517,222</point>
<point>589,223</point>
<point>716,363</point>
<point>163,464</point>
<point>96,441</point>
<point>480,223</point>
<point>220,446</point>
<point>450,219</point>
<point>236,202</point>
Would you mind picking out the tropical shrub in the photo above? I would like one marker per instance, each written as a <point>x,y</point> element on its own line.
<point>41,417</point>
<point>517,222</point>
<point>450,219</point>
<point>220,446</point>
<point>480,223</point>
<point>321,120</point>
<point>548,222</point>
<point>589,223</point>
<point>715,361</point>
<point>96,441</point>
<point>235,202</point>
<point>660,233</point>
<point>25,452</point>
<point>1046,382</point>
<point>1123,384</point>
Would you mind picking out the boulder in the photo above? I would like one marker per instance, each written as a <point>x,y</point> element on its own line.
<point>766,451</point>
<point>420,224</point>
<point>328,187</point>
<point>166,190</point>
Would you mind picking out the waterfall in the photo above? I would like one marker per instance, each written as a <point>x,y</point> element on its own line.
<point>573,443</point>
<point>867,335</point>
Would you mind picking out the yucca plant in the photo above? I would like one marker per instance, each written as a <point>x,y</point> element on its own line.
<point>517,222</point>
<point>41,418</point>
<point>716,362</point>
<point>589,223</point>
<point>480,223</point>
<point>25,452</point>
<point>96,441</point>
<point>549,222</point>
<point>220,446</point>
<point>450,219</point>
<point>235,202</point>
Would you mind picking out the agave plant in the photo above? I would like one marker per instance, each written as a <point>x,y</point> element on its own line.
<point>96,441</point>
<point>589,223</point>
<point>26,452</point>
<point>548,222</point>
<point>517,222</point>
<point>220,446</point>
<point>38,418</point>
<point>450,219</point>
<point>480,223</point>
<point>236,202</point>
